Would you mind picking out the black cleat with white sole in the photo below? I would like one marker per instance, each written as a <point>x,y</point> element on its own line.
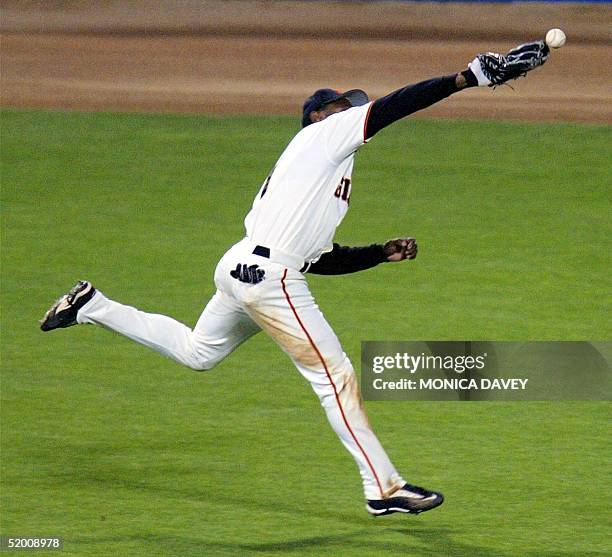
<point>409,499</point>
<point>63,313</point>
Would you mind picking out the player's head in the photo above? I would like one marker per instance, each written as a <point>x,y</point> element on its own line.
<point>325,102</point>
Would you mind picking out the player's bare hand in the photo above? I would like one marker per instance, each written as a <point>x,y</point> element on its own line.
<point>400,249</point>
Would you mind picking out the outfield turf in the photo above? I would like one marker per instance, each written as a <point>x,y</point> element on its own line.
<point>123,452</point>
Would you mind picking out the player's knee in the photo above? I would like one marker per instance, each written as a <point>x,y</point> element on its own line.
<point>204,360</point>
<point>202,365</point>
<point>201,357</point>
<point>341,370</point>
<point>342,383</point>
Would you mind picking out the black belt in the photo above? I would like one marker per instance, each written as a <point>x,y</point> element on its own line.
<point>263,251</point>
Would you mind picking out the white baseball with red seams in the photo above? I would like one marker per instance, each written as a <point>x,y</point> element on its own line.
<point>294,216</point>
<point>555,38</point>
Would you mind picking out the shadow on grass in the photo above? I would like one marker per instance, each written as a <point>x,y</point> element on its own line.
<point>418,539</point>
<point>439,541</point>
<point>431,542</point>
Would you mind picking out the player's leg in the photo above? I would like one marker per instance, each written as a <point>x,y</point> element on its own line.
<point>288,313</point>
<point>222,326</point>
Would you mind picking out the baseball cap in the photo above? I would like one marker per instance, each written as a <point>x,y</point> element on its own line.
<point>321,97</point>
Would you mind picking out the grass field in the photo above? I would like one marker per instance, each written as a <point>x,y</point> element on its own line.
<point>122,452</point>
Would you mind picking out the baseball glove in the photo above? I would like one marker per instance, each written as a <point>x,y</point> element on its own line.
<point>495,69</point>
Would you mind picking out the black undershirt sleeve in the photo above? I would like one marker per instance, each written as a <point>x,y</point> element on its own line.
<point>343,260</point>
<point>409,99</point>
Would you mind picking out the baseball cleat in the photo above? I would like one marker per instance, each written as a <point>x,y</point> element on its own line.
<point>409,499</point>
<point>63,313</point>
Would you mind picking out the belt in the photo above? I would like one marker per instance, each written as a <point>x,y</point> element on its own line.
<point>262,251</point>
<point>279,257</point>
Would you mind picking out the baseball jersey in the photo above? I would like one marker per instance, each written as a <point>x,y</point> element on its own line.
<point>307,194</point>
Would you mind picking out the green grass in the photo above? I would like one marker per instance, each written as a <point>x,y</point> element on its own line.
<point>122,452</point>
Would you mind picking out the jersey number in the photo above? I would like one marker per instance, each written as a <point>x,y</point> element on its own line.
<point>344,190</point>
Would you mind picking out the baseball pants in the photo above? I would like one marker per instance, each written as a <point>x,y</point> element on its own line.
<point>282,305</point>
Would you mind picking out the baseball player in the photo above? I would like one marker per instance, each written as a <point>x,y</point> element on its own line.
<point>261,280</point>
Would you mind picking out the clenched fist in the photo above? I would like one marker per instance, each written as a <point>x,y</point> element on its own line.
<point>400,249</point>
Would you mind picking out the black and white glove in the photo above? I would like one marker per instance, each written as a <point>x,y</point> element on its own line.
<point>493,69</point>
<point>250,274</point>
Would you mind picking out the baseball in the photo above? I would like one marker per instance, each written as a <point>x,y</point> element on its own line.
<point>555,38</point>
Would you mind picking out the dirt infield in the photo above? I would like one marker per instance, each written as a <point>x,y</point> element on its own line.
<point>77,56</point>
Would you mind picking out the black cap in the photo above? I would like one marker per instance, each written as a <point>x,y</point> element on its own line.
<point>321,97</point>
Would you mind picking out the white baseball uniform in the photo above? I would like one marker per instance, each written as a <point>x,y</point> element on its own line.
<point>292,222</point>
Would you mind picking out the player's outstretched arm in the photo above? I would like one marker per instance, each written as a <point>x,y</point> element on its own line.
<point>412,98</point>
<point>487,69</point>
<point>343,259</point>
